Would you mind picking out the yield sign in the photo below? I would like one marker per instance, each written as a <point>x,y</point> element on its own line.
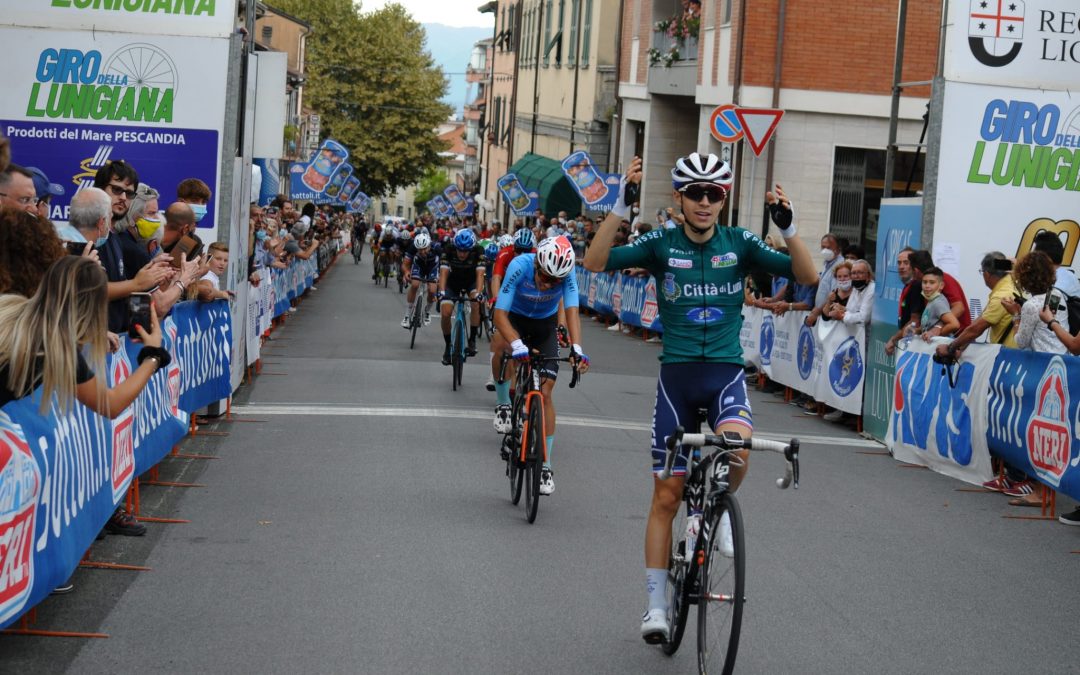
<point>758,125</point>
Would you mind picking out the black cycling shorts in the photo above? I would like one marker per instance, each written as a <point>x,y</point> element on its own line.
<point>540,334</point>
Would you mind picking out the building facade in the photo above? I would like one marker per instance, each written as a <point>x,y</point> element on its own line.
<point>832,75</point>
<point>278,31</point>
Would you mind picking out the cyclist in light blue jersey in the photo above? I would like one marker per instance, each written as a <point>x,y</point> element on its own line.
<point>526,318</point>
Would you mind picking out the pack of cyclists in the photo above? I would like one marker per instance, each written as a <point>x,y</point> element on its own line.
<point>698,267</point>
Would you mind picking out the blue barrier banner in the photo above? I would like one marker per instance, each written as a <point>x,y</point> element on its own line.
<point>631,299</point>
<point>1034,416</point>
<point>62,475</point>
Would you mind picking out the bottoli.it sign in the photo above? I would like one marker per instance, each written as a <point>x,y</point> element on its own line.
<point>1033,44</point>
<point>200,18</point>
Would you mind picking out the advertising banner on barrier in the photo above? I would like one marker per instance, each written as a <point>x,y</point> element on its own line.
<point>938,416</point>
<point>75,100</point>
<point>899,226</point>
<point>631,299</point>
<point>825,360</point>
<point>1034,416</point>
<point>253,330</point>
<point>1010,163</point>
<point>62,474</point>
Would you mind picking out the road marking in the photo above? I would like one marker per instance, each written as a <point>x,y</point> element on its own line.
<point>317,410</point>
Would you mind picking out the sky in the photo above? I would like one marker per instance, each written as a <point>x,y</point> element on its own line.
<point>447,12</point>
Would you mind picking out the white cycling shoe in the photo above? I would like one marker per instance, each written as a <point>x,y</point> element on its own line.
<point>405,323</point>
<point>547,483</point>
<point>655,627</point>
<point>726,543</point>
<point>502,419</point>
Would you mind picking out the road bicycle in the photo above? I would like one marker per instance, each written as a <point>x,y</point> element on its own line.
<point>383,265</point>
<point>487,326</point>
<point>420,308</point>
<point>459,332</point>
<point>524,447</point>
<point>700,571</point>
<point>357,250</point>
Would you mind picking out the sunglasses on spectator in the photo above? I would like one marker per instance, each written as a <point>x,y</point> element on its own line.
<point>695,191</point>
<point>118,190</point>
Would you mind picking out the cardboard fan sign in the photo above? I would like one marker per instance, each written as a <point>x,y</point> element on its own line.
<point>523,202</point>
<point>327,177</point>
<point>597,189</point>
<point>460,204</point>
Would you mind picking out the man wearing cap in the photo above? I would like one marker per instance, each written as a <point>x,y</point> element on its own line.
<point>44,190</point>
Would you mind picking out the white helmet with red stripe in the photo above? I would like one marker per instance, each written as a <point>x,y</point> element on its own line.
<point>555,256</point>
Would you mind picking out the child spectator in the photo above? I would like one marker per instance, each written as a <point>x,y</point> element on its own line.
<point>937,316</point>
<point>209,287</point>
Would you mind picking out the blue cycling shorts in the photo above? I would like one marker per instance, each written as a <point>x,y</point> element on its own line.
<point>684,388</point>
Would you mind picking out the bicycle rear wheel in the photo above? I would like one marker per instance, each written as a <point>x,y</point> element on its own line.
<point>512,445</point>
<point>682,574</point>
<point>417,317</point>
<point>720,602</point>
<point>534,456</point>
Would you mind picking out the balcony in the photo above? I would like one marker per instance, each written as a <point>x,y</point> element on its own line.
<point>673,65</point>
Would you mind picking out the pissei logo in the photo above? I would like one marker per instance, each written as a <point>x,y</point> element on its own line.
<point>136,83</point>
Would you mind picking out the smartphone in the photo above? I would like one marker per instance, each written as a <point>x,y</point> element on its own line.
<point>139,303</point>
<point>1053,301</point>
<point>75,247</point>
<point>186,249</point>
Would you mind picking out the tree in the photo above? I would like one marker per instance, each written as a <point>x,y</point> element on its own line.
<point>433,183</point>
<point>376,88</point>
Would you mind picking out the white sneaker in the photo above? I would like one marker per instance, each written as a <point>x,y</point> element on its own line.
<point>502,419</point>
<point>727,543</point>
<point>614,326</point>
<point>405,322</point>
<point>490,384</point>
<point>547,484</point>
<point>655,627</point>
<point>427,319</point>
<point>834,416</point>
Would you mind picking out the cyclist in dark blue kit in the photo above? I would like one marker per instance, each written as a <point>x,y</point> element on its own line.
<point>461,274</point>
<point>421,265</point>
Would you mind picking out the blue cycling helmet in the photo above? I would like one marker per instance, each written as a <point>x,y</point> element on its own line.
<point>524,240</point>
<point>492,251</point>
<point>464,240</point>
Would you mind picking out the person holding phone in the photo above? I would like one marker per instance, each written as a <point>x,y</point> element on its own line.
<point>57,338</point>
<point>1035,275</point>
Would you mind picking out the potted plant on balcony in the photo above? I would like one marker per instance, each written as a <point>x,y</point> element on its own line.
<point>678,29</point>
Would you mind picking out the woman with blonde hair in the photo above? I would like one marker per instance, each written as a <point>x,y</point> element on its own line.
<point>42,339</point>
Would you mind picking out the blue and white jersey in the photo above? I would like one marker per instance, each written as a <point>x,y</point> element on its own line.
<point>519,294</point>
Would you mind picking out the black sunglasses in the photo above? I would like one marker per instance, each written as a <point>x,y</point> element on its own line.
<point>695,191</point>
<point>118,190</point>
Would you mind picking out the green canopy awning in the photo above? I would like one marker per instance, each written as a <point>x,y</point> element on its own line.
<point>546,176</point>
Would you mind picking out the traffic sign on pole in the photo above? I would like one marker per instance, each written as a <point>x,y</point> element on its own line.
<point>724,124</point>
<point>758,126</point>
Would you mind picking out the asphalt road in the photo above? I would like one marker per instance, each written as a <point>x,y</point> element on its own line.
<point>363,525</point>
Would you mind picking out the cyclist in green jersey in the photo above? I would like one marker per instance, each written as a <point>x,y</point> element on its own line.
<point>699,270</point>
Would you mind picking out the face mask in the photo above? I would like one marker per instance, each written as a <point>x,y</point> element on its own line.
<point>260,235</point>
<point>100,241</point>
<point>636,210</point>
<point>147,227</point>
<point>282,233</point>
<point>859,284</point>
<point>844,285</point>
<point>828,254</point>
<point>199,210</point>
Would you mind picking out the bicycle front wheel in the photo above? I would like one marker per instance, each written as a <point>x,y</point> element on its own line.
<point>512,445</point>
<point>534,456</point>
<point>417,316</point>
<point>455,355</point>
<point>720,602</point>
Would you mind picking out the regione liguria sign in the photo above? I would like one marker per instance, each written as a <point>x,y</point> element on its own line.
<point>1020,43</point>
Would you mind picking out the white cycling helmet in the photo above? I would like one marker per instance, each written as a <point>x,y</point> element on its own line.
<point>505,240</point>
<point>555,256</point>
<point>697,169</point>
<point>422,241</point>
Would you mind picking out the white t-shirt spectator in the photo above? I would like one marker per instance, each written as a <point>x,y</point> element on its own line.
<point>213,279</point>
<point>1032,334</point>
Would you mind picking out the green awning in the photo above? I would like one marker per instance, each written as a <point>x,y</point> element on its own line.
<point>546,176</point>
